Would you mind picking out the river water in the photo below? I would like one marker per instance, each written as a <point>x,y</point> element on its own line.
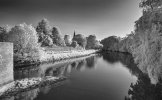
<point>106,76</point>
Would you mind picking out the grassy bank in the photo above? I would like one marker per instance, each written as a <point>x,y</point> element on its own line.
<point>50,55</point>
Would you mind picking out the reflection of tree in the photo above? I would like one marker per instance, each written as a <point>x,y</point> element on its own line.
<point>49,72</point>
<point>124,58</point>
<point>74,65</point>
<point>29,95</point>
<point>57,72</point>
<point>90,61</point>
<point>27,73</point>
<point>144,90</point>
<point>81,64</point>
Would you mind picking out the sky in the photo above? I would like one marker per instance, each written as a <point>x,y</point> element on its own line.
<point>102,18</point>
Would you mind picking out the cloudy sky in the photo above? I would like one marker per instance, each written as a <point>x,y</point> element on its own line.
<point>100,17</point>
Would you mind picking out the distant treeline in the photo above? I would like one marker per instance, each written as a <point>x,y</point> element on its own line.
<point>27,38</point>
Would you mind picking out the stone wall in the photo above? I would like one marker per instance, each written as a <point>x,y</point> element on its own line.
<point>6,63</point>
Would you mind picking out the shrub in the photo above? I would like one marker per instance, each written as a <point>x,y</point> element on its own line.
<point>67,40</point>
<point>24,38</point>
<point>3,32</point>
<point>74,44</point>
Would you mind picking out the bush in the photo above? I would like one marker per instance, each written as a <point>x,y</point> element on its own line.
<point>67,40</point>
<point>24,38</point>
<point>74,44</point>
<point>47,41</point>
<point>3,32</point>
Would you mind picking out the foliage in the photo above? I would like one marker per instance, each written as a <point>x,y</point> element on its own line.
<point>57,38</point>
<point>3,32</point>
<point>147,45</point>
<point>92,43</point>
<point>81,40</point>
<point>24,38</point>
<point>67,40</point>
<point>44,27</point>
<point>110,43</point>
<point>144,90</point>
<point>44,33</point>
<point>47,41</point>
<point>149,3</point>
<point>74,44</point>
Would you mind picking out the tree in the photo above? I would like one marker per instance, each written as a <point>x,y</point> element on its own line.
<point>98,45</point>
<point>47,41</point>
<point>44,27</point>
<point>80,39</point>
<point>110,43</point>
<point>67,40</point>
<point>149,4</point>
<point>24,38</point>
<point>92,43</point>
<point>3,32</point>
<point>57,38</point>
<point>74,44</point>
<point>44,33</point>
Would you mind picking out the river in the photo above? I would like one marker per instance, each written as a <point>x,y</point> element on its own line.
<point>105,76</point>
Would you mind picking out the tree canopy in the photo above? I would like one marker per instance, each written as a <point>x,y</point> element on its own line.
<point>81,40</point>
<point>56,37</point>
<point>93,43</point>
<point>24,38</point>
<point>67,40</point>
<point>149,4</point>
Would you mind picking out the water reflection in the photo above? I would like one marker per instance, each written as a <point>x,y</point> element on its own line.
<point>57,69</point>
<point>144,90</point>
<point>124,58</point>
<point>106,76</point>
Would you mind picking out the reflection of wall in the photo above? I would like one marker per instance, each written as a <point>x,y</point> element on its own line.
<point>6,63</point>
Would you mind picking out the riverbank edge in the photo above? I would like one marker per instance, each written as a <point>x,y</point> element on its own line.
<point>52,56</point>
<point>115,51</point>
<point>22,85</point>
<point>17,86</point>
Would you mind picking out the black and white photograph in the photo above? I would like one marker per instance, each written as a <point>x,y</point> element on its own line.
<point>80,49</point>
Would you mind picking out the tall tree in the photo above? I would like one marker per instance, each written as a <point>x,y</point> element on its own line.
<point>44,27</point>
<point>44,33</point>
<point>57,38</point>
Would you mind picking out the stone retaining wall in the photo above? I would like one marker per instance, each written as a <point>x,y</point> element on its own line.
<point>6,63</point>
